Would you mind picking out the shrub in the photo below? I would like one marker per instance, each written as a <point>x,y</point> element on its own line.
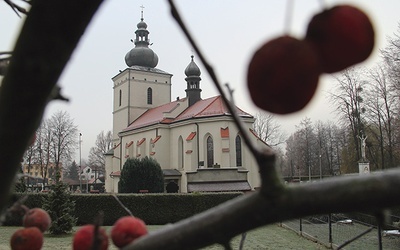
<point>141,174</point>
<point>60,207</point>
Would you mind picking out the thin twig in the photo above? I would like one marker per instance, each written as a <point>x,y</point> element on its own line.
<point>242,239</point>
<point>227,246</point>
<point>355,238</point>
<point>122,205</point>
<point>16,8</point>
<point>98,222</point>
<point>6,53</point>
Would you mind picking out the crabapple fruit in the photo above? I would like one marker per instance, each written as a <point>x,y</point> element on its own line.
<point>283,75</point>
<point>83,238</point>
<point>342,35</point>
<point>27,238</point>
<point>127,229</point>
<point>37,217</point>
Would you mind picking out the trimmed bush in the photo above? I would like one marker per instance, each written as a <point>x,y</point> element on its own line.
<point>141,174</point>
<point>153,209</point>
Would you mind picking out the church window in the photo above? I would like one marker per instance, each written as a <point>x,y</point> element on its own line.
<point>238,143</point>
<point>180,153</point>
<point>149,96</point>
<point>120,97</point>
<point>210,152</point>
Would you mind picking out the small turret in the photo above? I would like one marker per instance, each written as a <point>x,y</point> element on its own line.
<point>193,79</point>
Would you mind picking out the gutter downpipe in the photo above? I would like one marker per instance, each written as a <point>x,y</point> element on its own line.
<point>198,144</point>
<point>120,153</point>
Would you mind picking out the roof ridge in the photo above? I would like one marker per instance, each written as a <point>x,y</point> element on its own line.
<point>206,107</point>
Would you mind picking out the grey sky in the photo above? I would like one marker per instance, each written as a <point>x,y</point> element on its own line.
<point>228,32</point>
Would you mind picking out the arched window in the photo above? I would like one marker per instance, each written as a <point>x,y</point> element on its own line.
<point>149,96</point>
<point>120,97</point>
<point>238,143</point>
<point>210,152</point>
<point>180,153</point>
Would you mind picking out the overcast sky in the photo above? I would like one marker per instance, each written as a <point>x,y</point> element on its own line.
<point>228,32</point>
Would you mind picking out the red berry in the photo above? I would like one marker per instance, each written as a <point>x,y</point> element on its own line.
<point>126,230</point>
<point>37,217</point>
<point>283,75</point>
<point>27,238</point>
<point>343,36</point>
<point>83,238</point>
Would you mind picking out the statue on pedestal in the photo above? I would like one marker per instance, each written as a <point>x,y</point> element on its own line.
<point>363,164</point>
<point>363,144</point>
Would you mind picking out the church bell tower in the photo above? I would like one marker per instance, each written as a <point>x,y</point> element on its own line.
<point>141,86</point>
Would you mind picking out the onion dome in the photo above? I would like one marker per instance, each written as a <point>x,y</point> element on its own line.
<point>192,69</point>
<point>141,54</point>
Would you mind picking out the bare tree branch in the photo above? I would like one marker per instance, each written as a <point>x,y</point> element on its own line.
<point>16,8</point>
<point>45,44</point>
<point>253,210</point>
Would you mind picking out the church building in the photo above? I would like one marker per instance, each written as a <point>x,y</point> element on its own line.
<point>194,140</point>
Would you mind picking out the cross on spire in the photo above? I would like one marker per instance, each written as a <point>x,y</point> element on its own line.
<point>142,7</point>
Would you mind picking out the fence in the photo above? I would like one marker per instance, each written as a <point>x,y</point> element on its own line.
<point>356,231</point>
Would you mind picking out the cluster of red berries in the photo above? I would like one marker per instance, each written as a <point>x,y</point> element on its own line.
<point>124,231</point>
<point>35,222</point>
<point>283,74</point>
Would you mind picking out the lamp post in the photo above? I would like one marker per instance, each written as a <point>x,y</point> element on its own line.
<point>320,167</point>
<point>80,162</point>
<point>87,180</point>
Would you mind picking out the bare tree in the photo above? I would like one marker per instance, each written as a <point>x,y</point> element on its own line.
<point>391,57</point>
<point>268,129</point>
<point>64,133</point>
<point>43,148</point>
<point>102,146</point>
<point>54,145</point>
<point>382,105</point>
<point>348,97</point>
<point>325,144</point>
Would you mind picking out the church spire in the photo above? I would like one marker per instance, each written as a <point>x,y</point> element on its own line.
<point>141,54</point>
<point>193,79</point>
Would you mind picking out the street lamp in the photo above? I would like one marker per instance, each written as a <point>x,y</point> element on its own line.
<point>320,167</point>
<point>80,162</point>
<point>87,180</point>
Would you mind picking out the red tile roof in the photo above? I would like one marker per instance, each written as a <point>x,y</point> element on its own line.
<point>209,107</point>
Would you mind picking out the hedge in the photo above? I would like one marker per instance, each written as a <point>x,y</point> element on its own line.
<point>154,209</point>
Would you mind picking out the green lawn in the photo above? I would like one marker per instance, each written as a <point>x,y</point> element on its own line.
<point>269,237</point>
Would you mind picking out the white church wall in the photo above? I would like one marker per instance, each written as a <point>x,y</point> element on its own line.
<point>108,185</point>
<point>182,131</point>
<point>161,148</point>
